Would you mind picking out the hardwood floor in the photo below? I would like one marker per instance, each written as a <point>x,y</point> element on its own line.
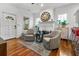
<point>66,48</point>
<point>16,49</point>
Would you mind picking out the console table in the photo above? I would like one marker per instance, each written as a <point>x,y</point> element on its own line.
<point>64,32</point>
<point>39,35</point>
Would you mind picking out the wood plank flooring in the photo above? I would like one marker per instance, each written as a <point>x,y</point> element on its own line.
<point>66,48</point>
<point>16,49</point>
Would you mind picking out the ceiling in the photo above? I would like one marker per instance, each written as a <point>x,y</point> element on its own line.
<point>36,7</point>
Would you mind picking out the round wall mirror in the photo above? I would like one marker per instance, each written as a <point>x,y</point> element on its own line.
<point>45,16</point>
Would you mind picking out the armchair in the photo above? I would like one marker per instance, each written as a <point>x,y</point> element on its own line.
<point>52,40</point>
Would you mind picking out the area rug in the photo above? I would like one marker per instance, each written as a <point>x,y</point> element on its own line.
<point>37,47</point>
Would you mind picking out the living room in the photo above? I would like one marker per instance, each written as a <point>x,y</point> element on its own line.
<point>39,29</point>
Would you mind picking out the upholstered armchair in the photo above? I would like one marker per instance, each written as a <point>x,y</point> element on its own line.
<point>52,40</point>
<point>28,36</point>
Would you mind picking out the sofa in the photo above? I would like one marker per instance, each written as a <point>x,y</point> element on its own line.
<point>28,36</point>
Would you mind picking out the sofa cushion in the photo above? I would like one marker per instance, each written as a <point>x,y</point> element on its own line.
<point>30,31</point>
<point>47,39</point>
<point>28,35</point>
<point>52,34</point>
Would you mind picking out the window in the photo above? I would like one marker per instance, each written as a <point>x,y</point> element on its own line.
<point>37,21</point>
<point>62,17</point>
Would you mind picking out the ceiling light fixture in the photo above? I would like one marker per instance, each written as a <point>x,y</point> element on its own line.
<point>33,3</point>
<point>42,5</point>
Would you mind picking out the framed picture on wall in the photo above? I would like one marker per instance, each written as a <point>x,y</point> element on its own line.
<point>26,23</point>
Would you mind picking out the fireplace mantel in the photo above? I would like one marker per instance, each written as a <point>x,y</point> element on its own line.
<point>48,26</point>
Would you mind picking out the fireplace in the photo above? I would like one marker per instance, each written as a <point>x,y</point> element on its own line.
<point>46,26</point>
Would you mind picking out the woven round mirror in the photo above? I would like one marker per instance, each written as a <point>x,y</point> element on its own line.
<point>45,16</point>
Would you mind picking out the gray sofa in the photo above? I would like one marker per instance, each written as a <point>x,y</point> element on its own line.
<point>28,36</point>
<point>52,40</point>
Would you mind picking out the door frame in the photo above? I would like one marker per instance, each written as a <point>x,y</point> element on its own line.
<point>15,21</point>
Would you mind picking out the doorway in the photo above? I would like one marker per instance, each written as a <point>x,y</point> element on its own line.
<point>8,25</point>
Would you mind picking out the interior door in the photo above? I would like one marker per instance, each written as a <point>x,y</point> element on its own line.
<point>9,25</point>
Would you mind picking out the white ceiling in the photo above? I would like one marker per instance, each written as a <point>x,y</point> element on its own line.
<point>35,8</point>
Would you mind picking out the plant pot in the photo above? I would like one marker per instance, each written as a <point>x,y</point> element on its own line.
<point>63,26</point>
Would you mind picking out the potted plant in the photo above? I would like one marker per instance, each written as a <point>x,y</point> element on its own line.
<point>62,23</point>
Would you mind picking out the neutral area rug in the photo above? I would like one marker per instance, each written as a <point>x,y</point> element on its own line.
<point>37,47</point>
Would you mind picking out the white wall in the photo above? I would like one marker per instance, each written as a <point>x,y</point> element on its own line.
<point>9,8</point>
<point>77,17</point>
<point>70,10</point>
